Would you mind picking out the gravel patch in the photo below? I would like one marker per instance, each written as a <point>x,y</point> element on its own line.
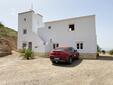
<point>40,71</point>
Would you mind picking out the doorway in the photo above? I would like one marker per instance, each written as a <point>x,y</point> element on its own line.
<point>30,45</point>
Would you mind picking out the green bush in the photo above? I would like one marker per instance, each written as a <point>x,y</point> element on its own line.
<point>27,54</point>
<point>98,48</point>
<point>111,52</point>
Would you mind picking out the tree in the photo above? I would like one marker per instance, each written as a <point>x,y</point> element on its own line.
<point>103,51</point>
<point>111,52</point>
<point>98,48</point>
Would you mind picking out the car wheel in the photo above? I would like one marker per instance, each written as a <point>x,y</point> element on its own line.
<point>70,60</point>
<point>54,62</point>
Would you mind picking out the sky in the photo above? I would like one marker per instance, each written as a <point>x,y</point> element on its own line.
<point>61,9</point>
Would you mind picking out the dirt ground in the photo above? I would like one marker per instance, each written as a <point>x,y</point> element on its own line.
<point>40,71</point>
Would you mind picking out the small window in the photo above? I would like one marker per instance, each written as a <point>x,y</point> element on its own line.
<point>55,46</point>
<point>71,27</point>
<point>24,19</point>
<point>44,43</point>
<point>79,45</point>
<point>36,46</point>
<point>49,27</point>
<point>24,31</point>
<point>24,45</point>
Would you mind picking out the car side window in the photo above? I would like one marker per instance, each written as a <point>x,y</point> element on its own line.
<point>73,50</point>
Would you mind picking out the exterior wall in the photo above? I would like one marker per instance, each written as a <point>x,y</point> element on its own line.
<point>43,38</point>
<point>24,25</point>
<point>87,56</point>
<point>84,32</point>
<point>30,36</point>
<point>37,22</point>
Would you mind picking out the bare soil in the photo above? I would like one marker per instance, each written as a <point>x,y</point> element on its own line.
<point>40,71</point>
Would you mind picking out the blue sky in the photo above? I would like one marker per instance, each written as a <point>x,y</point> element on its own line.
<point>60,9</point>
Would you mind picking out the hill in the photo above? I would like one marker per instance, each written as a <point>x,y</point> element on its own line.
<point>8,39</point>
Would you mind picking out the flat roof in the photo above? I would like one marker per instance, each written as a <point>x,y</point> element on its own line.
<point>26,11</point>
<point>69,19</point>
<point>30,11</point>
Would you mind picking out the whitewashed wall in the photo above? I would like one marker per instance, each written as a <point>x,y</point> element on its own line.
<point>31,25</point>
<point>39,34</point>
<point>84,32</point>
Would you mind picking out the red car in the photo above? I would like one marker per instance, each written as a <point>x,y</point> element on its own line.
<point>63,54</point>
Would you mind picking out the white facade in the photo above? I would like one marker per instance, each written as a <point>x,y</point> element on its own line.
<point>44,35</point>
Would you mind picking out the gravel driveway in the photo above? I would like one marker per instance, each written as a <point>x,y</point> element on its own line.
<point>40,71</point>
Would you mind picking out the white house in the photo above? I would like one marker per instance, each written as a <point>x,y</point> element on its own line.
<point>42,37</point>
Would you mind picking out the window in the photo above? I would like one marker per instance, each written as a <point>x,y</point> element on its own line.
<point>49,27</point>
<point>71,27</point>
<point>24,19</point>
<point>55,46</point>
<point>36,46</point>
<point>79,45</point>
<point>24,31</point>
<point>44,43</point>
<point>24,45</point>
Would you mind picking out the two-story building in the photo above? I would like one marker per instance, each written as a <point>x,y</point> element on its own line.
<point>42,37</point>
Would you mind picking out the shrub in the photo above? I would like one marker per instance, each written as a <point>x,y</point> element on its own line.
<point>97,54</point>
<point>111,52</point>
<point>103,51</point>
<point>27,54</point>
<point>98,48</point>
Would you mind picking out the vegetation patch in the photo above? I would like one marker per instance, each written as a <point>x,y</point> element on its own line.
<point>8,40</point>
<point>27,54</point>
<point>111,52</point>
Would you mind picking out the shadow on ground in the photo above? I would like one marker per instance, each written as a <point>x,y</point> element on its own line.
<point>105,58</point>
<point>75,63</point>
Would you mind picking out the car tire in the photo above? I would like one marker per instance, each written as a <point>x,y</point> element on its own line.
<point>54,62</point>
<point>70,60</point>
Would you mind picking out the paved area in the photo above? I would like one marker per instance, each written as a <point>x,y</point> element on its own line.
<point>40,71</point>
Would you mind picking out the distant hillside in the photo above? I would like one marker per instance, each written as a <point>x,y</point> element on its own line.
<point>8,38</point>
